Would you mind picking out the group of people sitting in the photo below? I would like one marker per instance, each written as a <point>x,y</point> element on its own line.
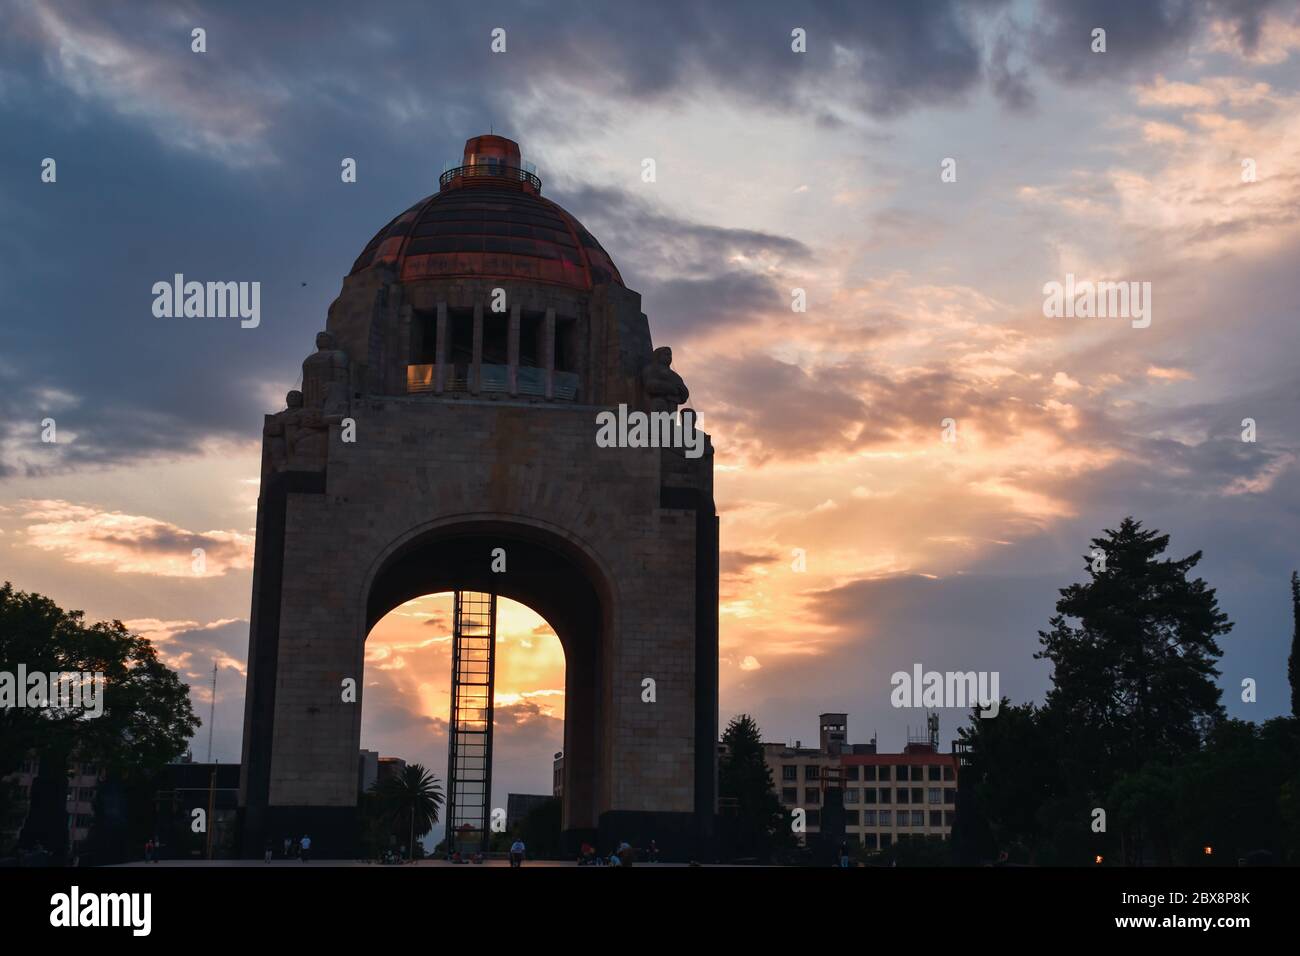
<point>624,855</point>
<point>458,857</point>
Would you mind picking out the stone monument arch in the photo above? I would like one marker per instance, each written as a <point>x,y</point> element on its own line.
<point>450,410</point>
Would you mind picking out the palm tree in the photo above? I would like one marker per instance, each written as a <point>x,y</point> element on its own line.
<point>413,796</point>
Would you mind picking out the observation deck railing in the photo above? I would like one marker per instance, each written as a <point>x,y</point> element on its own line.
<point>490,171</point>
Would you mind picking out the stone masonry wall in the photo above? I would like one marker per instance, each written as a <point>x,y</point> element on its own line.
<point>417,461</point>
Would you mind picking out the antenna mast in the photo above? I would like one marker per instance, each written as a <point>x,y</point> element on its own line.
<point>212,713</point>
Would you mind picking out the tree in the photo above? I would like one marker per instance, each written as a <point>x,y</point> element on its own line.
<point>376,824</point>
<point>759,825</point>
<point>412,800</point>
<point>1132,724</point>
<point>1293,661</point>
<point>146,716</point>
<point>1144,804</point>
<point>1133,681</point>
<point>1237,794</point>
<point>1012,774</point>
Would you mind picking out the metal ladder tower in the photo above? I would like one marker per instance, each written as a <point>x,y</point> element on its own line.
<point>469,733</point>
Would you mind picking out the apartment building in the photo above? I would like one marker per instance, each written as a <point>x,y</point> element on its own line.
<point>887,797</point>
<point>83,780</point>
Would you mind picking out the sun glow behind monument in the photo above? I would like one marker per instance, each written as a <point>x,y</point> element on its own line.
<point>408,683</point>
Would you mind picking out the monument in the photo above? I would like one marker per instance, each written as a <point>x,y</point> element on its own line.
<point>447,416</point>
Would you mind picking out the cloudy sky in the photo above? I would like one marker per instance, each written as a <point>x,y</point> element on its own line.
<point>775,171</point>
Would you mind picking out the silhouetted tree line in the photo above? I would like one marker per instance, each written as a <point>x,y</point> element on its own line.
<point>1132,728</point>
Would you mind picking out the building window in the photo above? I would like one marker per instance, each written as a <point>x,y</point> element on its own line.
<point>850,796</point>
<point>812,772</point>
<point>918,818</point>
<point>900,774</point>
<point>789,772</point>
<point>936,772</point>
<point>869,840</point>
<point>790,795</point>
<point>901,795</point>
<point>936,818</point>
<point>948,774</point>
<point>868,818</point>
<point>884,773</point>
<point>460,336</point>
<point>869,795</point>
<point>936,795</point>
<point>850,773</point>
<point>948,817</point>
<point>884,794</point>
<point>885,817</point>
<point>869,773</point>
<point>918,795</point>
<point>812,795</point>
<point>918,773</point>
<point>949,795</point>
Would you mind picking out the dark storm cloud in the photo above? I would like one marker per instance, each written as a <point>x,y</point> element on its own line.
<point>776,408</point>
<point>224,166</point>
<point>1141,38</point>
<point>387,714</point>
<point>739,562</point>
<point>685,270</point>
<point>674,244</point>
<point>683,307</point>
<point>1010,82</point>
<point>106,430</point>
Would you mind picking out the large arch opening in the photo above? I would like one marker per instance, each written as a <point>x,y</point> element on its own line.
<point>555,577</point>
<point>408,688</point>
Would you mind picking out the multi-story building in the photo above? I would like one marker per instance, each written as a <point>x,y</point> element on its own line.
<point>367,770</point>
<point>387,767</point>
<point>887,798</point>
<point>893,797</point>
<point>519,805</point>
<point>83,780</point>
<point>185,786</point>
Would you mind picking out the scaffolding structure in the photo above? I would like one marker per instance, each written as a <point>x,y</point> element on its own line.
<point>469,733</point>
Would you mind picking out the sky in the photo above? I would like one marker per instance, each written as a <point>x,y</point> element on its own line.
<point>906,472</point>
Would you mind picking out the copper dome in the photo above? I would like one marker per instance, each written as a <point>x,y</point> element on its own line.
<point>489,221</point>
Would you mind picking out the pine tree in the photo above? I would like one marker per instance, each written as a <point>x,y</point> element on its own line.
<point>1134,680</point>
<point>743,775</point>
